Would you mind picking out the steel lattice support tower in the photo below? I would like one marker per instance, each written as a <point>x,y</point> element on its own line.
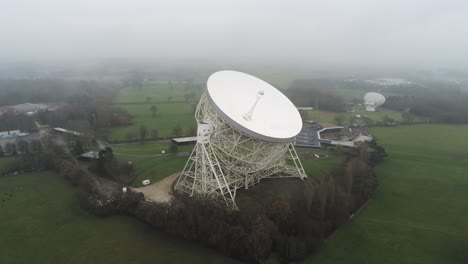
<point>225,159</point>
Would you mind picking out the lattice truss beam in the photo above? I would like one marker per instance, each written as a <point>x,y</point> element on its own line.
<point>229,159</point>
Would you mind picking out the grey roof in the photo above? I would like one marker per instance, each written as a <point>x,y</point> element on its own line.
<point>29,137</point>
<point>185,139</point>
<point>28,107</point>
<point>308,137</point>
<point>363,130</point>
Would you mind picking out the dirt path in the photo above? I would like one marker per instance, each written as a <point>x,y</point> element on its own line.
<point>161,191</point>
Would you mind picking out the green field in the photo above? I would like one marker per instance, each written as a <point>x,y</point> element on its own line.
<point>150,163</point>
<point>318,168</point>
<point>5,160</point>
<point>172,107</point>
<point>377,116</point>
<point>419,212</point>
<point>41,223</point>
<point>168,116</point>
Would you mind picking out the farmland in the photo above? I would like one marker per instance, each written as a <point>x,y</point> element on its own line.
<point>418,214</point>
<point>167,117</point>
<point>42,223</point>
<point>173,108</point>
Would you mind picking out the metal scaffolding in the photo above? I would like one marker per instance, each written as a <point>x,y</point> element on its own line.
<point>225,159</point>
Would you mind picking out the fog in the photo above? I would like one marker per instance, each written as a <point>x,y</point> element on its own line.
<point>393,32</point>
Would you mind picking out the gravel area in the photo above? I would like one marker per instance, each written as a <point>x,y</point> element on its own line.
<point>161,191</point>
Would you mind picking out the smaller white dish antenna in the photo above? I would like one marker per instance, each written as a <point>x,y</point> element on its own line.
<point>373,100</point>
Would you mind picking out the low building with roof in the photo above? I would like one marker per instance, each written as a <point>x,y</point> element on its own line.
<point>67,131</point>
<point>16,136</point>
<point>314,135</point>
<point>184,140</point>
<point>88,156</point>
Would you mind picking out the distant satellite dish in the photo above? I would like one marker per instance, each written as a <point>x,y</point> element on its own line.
<point>373,100</point>
<point>246,129</point>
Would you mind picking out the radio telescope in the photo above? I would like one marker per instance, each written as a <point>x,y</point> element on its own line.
<point>246,129</point>
<point>373,100</point>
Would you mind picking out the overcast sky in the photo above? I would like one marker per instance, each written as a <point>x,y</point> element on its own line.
<point>344,32</point>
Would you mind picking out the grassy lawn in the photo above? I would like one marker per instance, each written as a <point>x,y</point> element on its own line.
<point>169,115</point>
<point>318,168</point>
<point>41,223</point>
<point>149,162</point>
<point>5,160</point>
<point>329,117</point>
<point>419,212</point>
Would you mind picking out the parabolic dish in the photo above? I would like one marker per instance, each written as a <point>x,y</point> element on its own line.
<point>375,98</point>
<point>232,95</point>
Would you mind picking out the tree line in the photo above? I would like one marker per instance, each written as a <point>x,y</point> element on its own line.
<point>439,106</point>
<point>309,93</point>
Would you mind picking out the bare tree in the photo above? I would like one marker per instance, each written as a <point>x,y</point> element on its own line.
<point>339,119</point>
<point>23,147</point>
<point>177,131</point>
<point>173,148</point>
<point>154,109</point>
<point>143,132</point>
<point>154,133</point>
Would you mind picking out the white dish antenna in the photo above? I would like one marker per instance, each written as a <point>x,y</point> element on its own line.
<point>373,100</point>
<point>246,130</point>
<point>253,106</point>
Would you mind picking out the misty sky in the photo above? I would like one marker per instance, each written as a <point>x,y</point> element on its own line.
<point>369,32</point>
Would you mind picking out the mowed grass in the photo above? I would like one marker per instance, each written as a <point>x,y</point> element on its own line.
<point>4,161</point>
<point>168,116</point>
<point>318,168</point>
<point>419,212</point>
<point>149,162</point>
<point>41,223</point>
